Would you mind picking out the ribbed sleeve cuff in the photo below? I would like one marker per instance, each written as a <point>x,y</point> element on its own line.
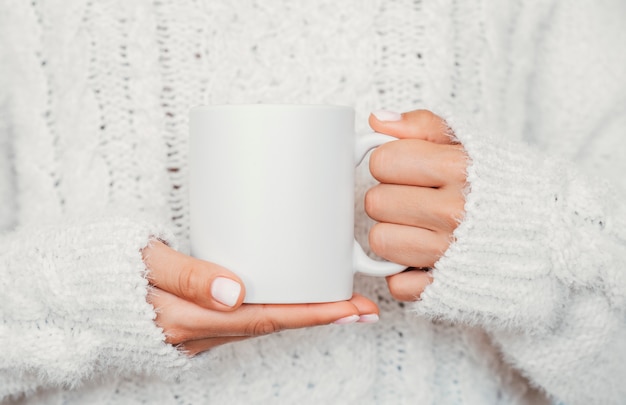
<point>498,272</point>
<point>77,305</point>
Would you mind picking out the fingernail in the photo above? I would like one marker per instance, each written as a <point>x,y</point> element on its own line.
<point>346,320</point>
<point>368,318</point>
<point>384,115</point>
<point>226,291</point>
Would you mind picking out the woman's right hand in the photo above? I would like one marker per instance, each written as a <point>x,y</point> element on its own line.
<point>199,304</point>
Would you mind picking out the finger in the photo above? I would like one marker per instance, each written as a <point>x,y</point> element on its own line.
<point>367,308</point>
<point>204,283</point>
<point>263,319</point>
<point>170,311</point>
<point>195,347</point>
<point>408,245</point>
<point>183,321</point>
<point>419,163</point>
<point>424,207</point>
<point>418,124</point>
<point>409,285</point>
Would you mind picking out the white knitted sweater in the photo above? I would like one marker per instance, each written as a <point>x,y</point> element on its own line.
<point>94,97</point>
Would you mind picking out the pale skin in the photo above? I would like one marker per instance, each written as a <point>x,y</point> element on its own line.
<point>418,205</point>
<point>420,199</point>
<point>195,321</point>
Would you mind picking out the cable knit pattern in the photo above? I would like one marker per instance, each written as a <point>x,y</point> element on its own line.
<point>527,305</point>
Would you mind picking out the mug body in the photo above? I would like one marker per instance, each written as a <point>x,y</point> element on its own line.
<point>272,198</point>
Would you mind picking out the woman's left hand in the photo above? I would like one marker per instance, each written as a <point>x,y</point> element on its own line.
<point>420,200</point>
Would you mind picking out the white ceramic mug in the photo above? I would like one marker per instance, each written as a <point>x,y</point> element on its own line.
<point>272,199</point>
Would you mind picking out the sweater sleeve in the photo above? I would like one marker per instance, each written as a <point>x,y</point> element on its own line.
<point>539,260</point>
<point>74,306</point>
<point>72,293</point>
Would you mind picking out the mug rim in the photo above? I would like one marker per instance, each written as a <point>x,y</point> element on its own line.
<point>206,107</point>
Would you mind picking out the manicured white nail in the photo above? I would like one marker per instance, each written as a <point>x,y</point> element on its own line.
<point>384,115</point>
<point>346,320</point>
<point>368,318</point>
<point>225,291</point>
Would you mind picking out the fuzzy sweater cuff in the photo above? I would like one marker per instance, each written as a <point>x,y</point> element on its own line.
<point>74,299</point>
<point>530,239</point>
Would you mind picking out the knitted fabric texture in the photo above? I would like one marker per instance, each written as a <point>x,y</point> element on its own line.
<point>528,303</point>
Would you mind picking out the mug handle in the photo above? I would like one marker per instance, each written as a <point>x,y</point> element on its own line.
<point>363,263</point>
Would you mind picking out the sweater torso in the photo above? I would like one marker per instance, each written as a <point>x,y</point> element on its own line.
<point>100,100</point>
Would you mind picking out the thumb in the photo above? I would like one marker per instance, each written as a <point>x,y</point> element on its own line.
<point>417,124</point>
<point>206,284</point>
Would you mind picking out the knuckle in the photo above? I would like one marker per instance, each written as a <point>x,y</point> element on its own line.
<point>452,212</point>
<point>449,218</point>
<point>431,125</point>
<point>451,221</point>
<point>457,166</point>
<point>261,327</point>
<point>427,116</point>
<point>187,280</point>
